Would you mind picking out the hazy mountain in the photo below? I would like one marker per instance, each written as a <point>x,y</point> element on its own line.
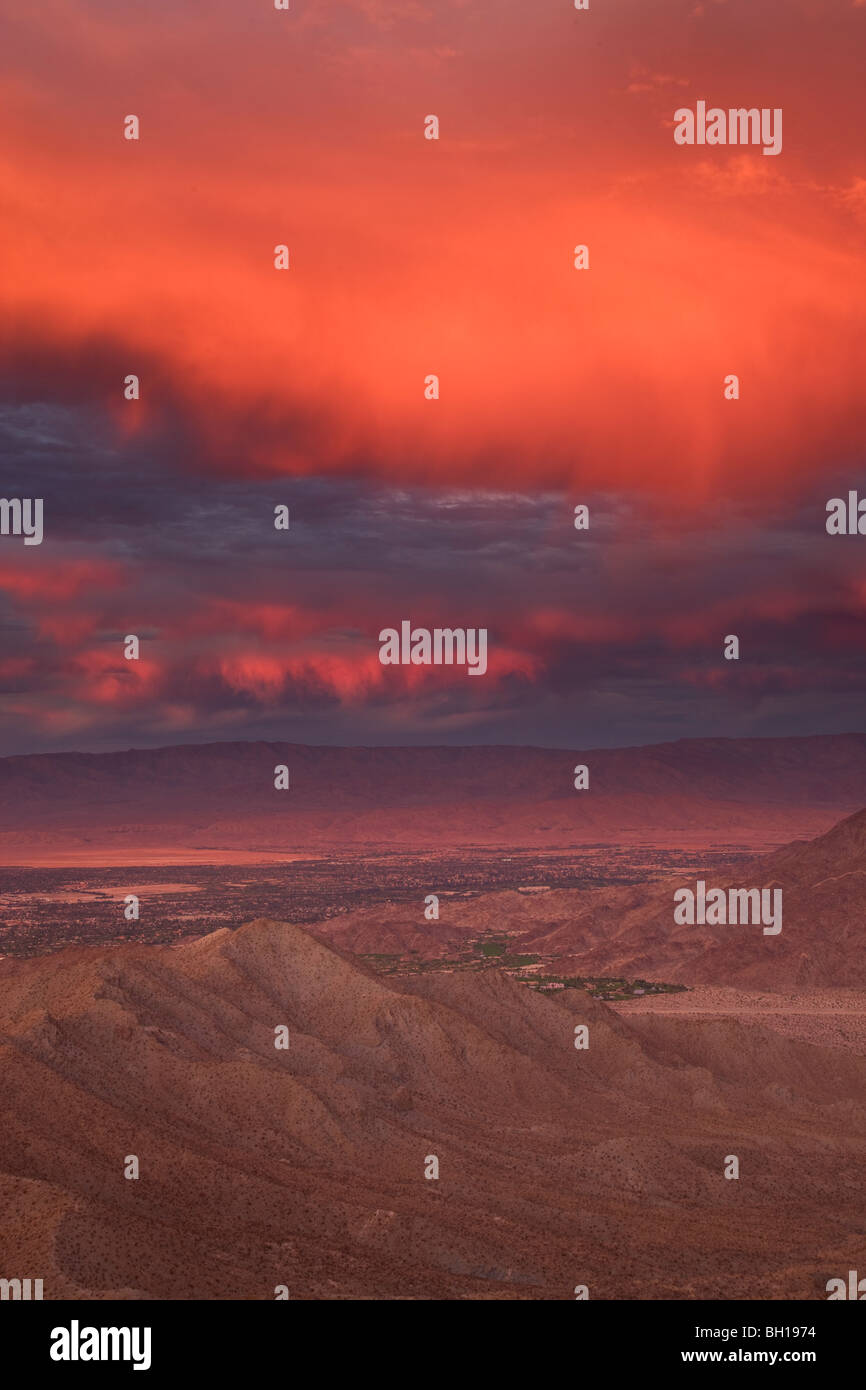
<point>757,792</point>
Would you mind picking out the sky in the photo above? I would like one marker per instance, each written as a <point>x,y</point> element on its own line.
<point>411,257</point>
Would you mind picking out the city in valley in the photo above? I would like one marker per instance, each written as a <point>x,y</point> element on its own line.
<point>47,909</point>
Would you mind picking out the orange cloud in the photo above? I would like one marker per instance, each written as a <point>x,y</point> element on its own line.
<point>412,257</point>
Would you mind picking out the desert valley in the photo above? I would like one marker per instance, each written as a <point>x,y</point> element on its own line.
<point>463,1069</point>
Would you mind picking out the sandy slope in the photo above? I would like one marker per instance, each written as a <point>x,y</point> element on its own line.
<point>830,1017</point>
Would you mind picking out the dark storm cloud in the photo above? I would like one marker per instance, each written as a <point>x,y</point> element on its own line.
<point>608,635</point>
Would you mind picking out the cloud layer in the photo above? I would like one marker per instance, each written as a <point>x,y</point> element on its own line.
<point>411,257</point>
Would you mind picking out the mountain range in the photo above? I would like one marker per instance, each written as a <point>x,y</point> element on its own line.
<point>222,798</point>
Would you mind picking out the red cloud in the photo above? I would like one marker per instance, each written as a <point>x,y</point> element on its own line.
<point>414,257</point>
<point>34,580</point>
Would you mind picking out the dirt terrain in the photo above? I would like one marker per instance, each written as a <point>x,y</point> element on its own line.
<point>305,1167</point>
<point>829,1017</point>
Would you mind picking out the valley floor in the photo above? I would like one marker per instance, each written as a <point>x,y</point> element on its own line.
<point>827,1017</point>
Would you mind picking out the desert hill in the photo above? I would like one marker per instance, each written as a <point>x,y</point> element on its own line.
<point>305,1167</point>
<point>630,931</point>
<point>820,944</point>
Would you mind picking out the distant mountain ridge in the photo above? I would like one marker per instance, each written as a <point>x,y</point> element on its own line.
<point>221,796</point>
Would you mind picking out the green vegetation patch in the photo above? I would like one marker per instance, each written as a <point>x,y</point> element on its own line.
<point>493,948</point>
